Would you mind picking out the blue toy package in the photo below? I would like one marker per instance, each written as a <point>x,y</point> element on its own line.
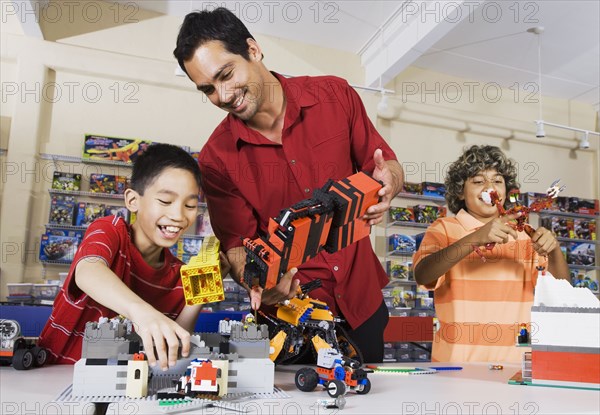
<point>58,248</point>
<point>88,212</point>
<point>109,184</point>
<point>118,211</point>
<point>61,210</point>
<point>433,189</point>
<point>401,243</point>
<point>581,253</point>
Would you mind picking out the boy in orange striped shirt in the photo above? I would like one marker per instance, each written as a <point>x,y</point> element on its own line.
<point>480,304</point>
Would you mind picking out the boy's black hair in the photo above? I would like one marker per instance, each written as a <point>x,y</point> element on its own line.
<point>204,26</point>
<point>473,161</point>
<point>158,157</point>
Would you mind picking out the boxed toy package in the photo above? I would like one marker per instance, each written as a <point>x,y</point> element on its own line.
<point>106,183</point>
<point>401,214</point>
<point>581,253</point>
<point>399,270</point>
<point>58,248</point>
<point>112,148</point>
<point>66,181</point>
<point>561,227</point>
<point>428,213</point>
<point>584,206</point>
<point>120,211</point>
<point>584,229</point>
<point>433,189</point>
<point>401,243</point>
<point>413,188</point>
<point>186,247</point>
<point>203,226</point>
<point>586,279</point>
<point>89,212</point>
<point>61,210</point>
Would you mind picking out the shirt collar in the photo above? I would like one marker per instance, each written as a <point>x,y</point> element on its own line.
<point>467,221</point>
<point>298,96</point>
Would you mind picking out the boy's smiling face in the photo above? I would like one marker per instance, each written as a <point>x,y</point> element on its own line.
<point>167,208</point>
<point>474,186</point>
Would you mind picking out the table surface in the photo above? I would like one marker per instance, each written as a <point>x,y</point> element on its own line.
<point>473,390</point>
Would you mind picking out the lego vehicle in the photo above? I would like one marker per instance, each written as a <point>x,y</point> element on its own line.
<point>330,221</point>
<point>336,373</point>
<point>202,376</point>
<point>21,352</point>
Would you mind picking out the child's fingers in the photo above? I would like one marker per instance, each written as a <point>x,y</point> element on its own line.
<point>161,351</point>
<point>185,341</point>
<point>149,348</point>
<point>173,348</point>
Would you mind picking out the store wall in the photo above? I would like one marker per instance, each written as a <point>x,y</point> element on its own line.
<point>55,92</point>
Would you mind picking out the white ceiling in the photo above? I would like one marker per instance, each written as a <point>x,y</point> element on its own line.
<point>489,45</point>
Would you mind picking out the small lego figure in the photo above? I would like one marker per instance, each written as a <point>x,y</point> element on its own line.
<point>337,403</point>
<point>523,337</point>
<point>495,367</point>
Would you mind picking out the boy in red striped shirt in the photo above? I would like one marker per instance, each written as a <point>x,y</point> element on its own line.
<point>128,270</point>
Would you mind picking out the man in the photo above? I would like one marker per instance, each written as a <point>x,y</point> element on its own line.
<point>282,139</point>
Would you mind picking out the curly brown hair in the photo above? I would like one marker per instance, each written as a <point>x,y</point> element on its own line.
<point>473,161</point>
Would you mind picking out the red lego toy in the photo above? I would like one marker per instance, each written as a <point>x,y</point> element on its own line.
<point>330,220</point>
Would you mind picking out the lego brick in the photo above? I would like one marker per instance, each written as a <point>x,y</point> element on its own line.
<point>565,329</point>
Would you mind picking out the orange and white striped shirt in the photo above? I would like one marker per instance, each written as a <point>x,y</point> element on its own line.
<point>480,304</point>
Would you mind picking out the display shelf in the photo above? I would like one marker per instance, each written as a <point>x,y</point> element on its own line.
<point>58,262</point>
<point>407,224</point>
<point>403,282</point>
<point>584,267</point>
<point>438,199</point>
<point>86,194</point>
<point>74,159</point>
<point>566,214</point>
<point>577,240</point>
<point>65,227</point>
<point>401,253</point>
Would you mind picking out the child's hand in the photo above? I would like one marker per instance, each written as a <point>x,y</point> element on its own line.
<point>225,265</point>
<point>160,334</point>
<point>543,241</point>
<point>496,231</point>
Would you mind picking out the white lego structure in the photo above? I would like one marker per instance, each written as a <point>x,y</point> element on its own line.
<point>565,335</point>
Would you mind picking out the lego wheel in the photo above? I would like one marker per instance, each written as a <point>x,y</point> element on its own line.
<point>364,388</point>
<point>306,379</point>
<point>188,389</point>
<point>22,359</point>
<point>336,388</point>
<point>40,355</point>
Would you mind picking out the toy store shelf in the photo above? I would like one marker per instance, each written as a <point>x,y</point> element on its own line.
<point>201,237</point>
<point>567,214</point>
<point>577,240</point>
<point>87,194</point>
<point>409,329</point>
<point>57,262</point>
<point>584,267</point>
<point>438,199</point>
<point>402,282</point>
<point>73,159</point>
<point>65,227</point>
<point>403,253</point>
<point>407,224</point>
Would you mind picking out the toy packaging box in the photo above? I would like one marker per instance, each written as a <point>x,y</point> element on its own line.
<point>584,206</point>
<point>399,270</point>
<point>433,189</point>
<point>203,226</point>
<point>583,229</point>
<point>61,210</point>
<point>428,213</point>
<point>186,248</point>
<point>413,188</point>
<point>126,150</point>
<point>559,226</point>
<point>66,181</point>
<point>586,279</point>
<point>89,212</point>
<point>401,243</point>
<point>119,211</point>
<point>58,248</point>
<point>401,214</point>
<point>581,253</point>
<point>108,184</point>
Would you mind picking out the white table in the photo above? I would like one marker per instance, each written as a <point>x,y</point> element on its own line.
<point>473,390</point>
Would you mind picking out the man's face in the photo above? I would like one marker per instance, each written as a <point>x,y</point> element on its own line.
<point>231,82</point>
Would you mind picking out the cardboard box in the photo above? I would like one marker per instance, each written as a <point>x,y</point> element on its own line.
<point>66,181</point>
<point>126,150</point>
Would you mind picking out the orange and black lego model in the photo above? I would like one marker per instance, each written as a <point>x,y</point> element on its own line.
<point>330,220</point>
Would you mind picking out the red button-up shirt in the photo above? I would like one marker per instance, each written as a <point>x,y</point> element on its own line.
<point>248,178</point>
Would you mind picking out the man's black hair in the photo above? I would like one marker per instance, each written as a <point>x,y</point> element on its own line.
<point>158,157</point>
<point>204,26</point>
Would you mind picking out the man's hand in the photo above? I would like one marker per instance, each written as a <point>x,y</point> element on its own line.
<point>286,288</point>
<point>160,332</point>
<point>391,175</point>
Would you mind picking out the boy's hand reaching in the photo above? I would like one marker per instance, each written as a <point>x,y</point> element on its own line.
<point>496,231</point>
<point>160,335</point>
<point>543,241</point>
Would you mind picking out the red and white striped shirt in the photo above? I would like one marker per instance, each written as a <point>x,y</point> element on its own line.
<point>110,240</point>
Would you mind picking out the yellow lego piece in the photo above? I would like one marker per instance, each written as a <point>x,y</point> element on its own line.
<point>201,277</point>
